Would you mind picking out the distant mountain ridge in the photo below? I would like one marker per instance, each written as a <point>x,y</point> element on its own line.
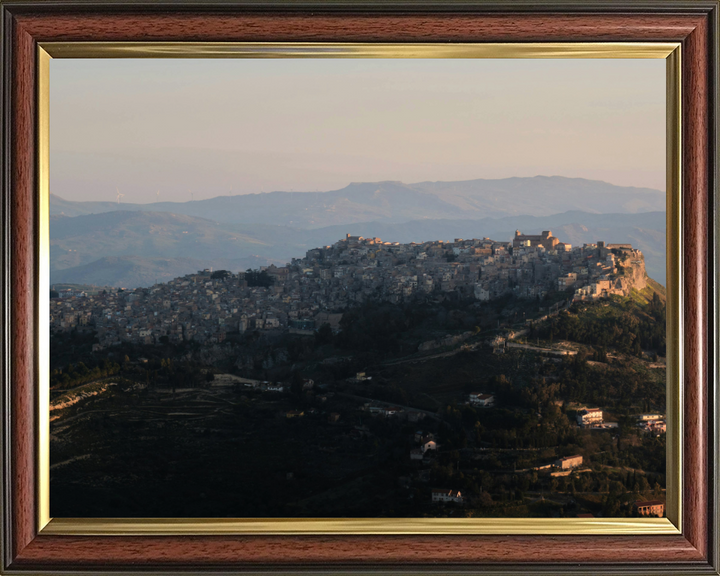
<point>78,240</point>
<point>396,202</point>
<point>135,271</point>
<point>84,248</point>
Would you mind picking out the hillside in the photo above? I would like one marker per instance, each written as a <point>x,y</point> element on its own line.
<point>627,325</point>
<point>82,240</point>
<point>333,452</point>
<point>544,195</point>
<point>125,271</point>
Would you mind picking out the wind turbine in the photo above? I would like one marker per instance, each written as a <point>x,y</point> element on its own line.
<point>119,195</point>
<point>157,196</point>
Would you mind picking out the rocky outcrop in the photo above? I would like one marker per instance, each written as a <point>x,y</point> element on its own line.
<point>633,274</point>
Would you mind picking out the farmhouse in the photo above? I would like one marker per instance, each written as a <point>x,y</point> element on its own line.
<point>569,462</point>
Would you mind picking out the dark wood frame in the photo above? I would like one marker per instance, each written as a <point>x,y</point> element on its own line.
<point>694,23</point>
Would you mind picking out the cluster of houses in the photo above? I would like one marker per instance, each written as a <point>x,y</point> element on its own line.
<point>592,418</point>
<point>69,293</point>
<point>593,271</point>
<point>652,423</point>
<point>313,291</point>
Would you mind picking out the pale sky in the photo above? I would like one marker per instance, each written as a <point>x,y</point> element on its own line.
<point>176,129</point>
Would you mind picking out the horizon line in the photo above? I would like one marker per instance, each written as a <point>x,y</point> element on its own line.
<point>389,181</point>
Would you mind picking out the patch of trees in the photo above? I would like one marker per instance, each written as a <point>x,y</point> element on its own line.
<point>72,347</point>
<point>76,374</point>
<point>373,327</point>
<point>623,324</point>
<point>390,329</point>
<point>389,393</point>
<point>324,335</point>
<point>176,374</point>
<point>220,274</point>
<point>620,387</point>
<point>258,278</point>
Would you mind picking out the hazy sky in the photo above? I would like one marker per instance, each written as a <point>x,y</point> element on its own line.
<point>170,129</point>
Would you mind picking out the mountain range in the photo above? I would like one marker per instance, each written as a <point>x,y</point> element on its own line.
<point>107,243</point>
<point>397,202</point>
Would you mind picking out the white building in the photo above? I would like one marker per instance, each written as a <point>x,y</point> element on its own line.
<point>429,445</point>
<point>480,399</point>
<point>481,293</point>
<point>589,417</point>
<point>569,462</point>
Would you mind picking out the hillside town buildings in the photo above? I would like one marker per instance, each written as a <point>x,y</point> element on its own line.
<point>650,508</point>
<point>314,290</point>
<point>652,423</point>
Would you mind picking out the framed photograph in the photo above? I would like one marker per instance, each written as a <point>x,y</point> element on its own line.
<point>365,287</point>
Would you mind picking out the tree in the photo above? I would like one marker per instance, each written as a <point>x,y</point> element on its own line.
<point>479,430</point>
<point>324,334</point>
<point>637,351</point>
<point>296,384</point>
<point>644,484</point>
<point>258,278</point>
<point>220,274</point>
<point>485,500</point>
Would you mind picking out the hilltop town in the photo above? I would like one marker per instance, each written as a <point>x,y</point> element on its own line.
<point>311,291</point>
<point>369,378</point>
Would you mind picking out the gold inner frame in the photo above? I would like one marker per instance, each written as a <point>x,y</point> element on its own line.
<point>287,526</point>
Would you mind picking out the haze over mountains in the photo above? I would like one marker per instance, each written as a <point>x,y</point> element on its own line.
<point>131,245</point>
<point>398,202</point>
